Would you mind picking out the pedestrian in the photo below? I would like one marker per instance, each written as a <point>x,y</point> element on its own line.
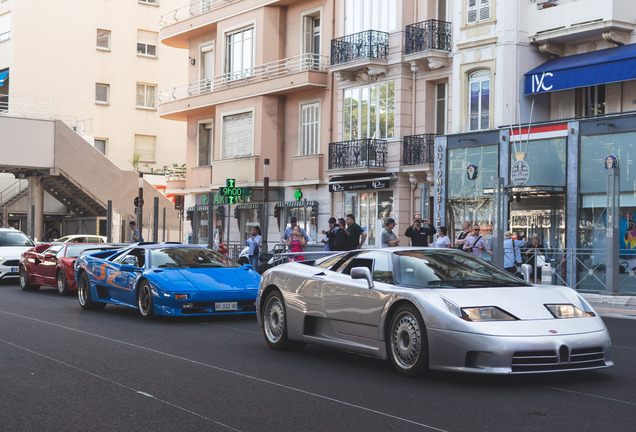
<point>356,236</point>
<point>340,238</point>
<point>443,241</point>
<point>388,237</point>
<point>475,243</point>
<point>512,253</point>
<point>297,243</point>
<point>535,256</point>
<point>330,240</point>
<point>293,223</point>
<point>135,235</point>
<point>216,238</point>
<point>461,238</point>
<point>418,233</point>
<point>254,243</point>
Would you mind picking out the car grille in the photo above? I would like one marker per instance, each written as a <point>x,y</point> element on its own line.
<point>11,263</point>
<point>208,307</point>
<point>564,359</point>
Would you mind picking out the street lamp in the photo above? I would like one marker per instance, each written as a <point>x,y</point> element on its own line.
<point>265,202</point>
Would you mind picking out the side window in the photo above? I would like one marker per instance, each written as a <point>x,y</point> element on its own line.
<point>382,269</point>
<point>136,257</point>
<point>53,250</point>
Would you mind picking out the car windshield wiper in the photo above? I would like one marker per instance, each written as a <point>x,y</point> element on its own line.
<point>462,283</point>
<point>170,265</point>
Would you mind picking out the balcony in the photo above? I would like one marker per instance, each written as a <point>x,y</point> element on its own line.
<point>428,44</point>
<point>563,21</point>
<point>418,152</point>
<point>283,76</point>
<point>358,155</point>
<point>367,49</point>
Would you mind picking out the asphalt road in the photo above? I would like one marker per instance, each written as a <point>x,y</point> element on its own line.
<point>65,369</point>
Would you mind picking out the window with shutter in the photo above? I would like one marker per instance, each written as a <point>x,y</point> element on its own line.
<point>145,147</point>
<point>146,96</point>
<point>103,40</point>
<point>477,10</point>
<point>147,43</point>
<point>309,128</point>
<point>204,153</point>
<point>238,135</point>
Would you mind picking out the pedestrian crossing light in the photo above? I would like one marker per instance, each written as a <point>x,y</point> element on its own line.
<point>298,195</point>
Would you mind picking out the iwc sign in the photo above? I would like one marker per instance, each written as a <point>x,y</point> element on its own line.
<point>520,172</point>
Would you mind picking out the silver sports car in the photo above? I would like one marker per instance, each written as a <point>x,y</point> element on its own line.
<point>431,308</point>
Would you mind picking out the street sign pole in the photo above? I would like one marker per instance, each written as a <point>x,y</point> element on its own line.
<point>611,232</point>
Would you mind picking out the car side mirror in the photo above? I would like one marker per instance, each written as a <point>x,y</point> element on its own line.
<point>49,256</point>
<point>362,273</point>
<point>129,268</point>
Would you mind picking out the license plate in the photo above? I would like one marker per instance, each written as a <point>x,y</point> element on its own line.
<point>14,269</point>
<point>226,306</point>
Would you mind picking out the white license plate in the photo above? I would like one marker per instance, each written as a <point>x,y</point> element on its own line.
<point>226,306</point>
<point>14,269</point>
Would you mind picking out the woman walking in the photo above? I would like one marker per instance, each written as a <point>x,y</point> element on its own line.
<point>254,243</point>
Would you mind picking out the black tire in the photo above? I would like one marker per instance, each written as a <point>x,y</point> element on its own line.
<point>84,295</point>
<point>144,300</point>
<point>275,323</point>
<point>25,284</point>
<point>407,343</point>
<point>62,286</point>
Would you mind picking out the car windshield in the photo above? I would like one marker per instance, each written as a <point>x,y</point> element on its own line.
<point>189,257</point>
<point>14,239</point>
<point>435,269</point>
<point>74,251</point>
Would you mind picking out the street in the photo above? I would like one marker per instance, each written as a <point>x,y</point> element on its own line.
<point>66,369</point>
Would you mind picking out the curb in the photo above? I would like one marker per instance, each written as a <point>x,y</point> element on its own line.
<point>610,299</point>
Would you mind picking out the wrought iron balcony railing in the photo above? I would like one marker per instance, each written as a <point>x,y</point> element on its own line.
<point>288,66</point>
<point>360,153</point>
<point>418,149</point>
<point>428,35</point>
<point>192,10</point>
<point>363,45</point>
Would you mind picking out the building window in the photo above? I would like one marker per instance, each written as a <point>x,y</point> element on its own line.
<point>311,40</point>
<point>479,100</point>
<point>145,147</point>
<point>477,10</point>
<point>5,27</point>
<point>100,144</point>
<point>239,53</point>
<point>369,111</point>
<point>441,119</point>
<point>103,40</point>
<point>102,93</point>
<point>204,150</point>
<point>309,128</point>
<point>238,135</point>
<point>371,209</point>
<point>146,96</point>
<point>146,43</point>
<point>590,101</point>
<point>362,15</point>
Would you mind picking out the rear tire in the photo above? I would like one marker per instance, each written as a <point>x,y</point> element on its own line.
<point>407,344</point>
<point>144,301</point>
<point>275,323</point>
<point>25,285</point>
<point>62,286</point>
<point>84,295</point>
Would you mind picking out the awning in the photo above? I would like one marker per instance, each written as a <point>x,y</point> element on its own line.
<point>3,77</point>
<point>358,182</point>
<point>582,70</point>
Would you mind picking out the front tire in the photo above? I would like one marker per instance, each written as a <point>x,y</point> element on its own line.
<point>25,285</point>
<point>144,301</point>
<point>407,342</point>
<point>275,322</point>
<point>84,295</point>
<point>62,286</point>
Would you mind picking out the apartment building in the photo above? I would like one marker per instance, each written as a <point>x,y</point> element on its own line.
<point>343,99</point>
<point>542,97</point>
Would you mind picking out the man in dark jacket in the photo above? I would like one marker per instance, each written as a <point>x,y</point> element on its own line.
<point>419,233</point>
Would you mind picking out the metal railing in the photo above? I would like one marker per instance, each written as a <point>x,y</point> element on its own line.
<point>192,10</point>
<point>418,149</point>
<point>357,46</point>
<point>358,153</point>
<point>26,107</point>
<point>11,191</point>
<point>275,69</point>
<point>427,35</point>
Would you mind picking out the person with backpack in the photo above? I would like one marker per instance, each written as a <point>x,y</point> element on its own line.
<point>476,244</point>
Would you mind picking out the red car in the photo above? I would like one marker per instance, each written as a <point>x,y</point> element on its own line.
<point>52,265</point>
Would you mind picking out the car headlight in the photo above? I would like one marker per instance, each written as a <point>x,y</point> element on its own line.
<point>486,313</point>
<point>567,311</point>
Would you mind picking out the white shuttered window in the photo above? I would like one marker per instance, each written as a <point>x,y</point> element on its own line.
<point>238,135</point>
<point>145,146</point>
<point>477,10</point>
<point>309,128</point>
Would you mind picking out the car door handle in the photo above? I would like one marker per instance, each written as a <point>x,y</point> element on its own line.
<point>319,275</point>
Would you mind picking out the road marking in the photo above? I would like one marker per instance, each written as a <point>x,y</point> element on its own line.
<point>232,328</point>
<point>220,369</point>
<point>593,396</point>
<point>119,384</point>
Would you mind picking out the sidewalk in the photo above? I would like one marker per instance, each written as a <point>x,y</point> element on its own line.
<point>612,306</point>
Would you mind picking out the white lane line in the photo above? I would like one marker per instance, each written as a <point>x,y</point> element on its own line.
<point>593,396</point>
<point>120,385</point>
<point>232,328</point>
<point>231,372</point>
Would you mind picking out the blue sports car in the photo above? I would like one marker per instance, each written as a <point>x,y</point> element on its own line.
<point>166,279</point>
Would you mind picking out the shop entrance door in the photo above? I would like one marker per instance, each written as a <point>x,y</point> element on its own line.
<point>539,214</point>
